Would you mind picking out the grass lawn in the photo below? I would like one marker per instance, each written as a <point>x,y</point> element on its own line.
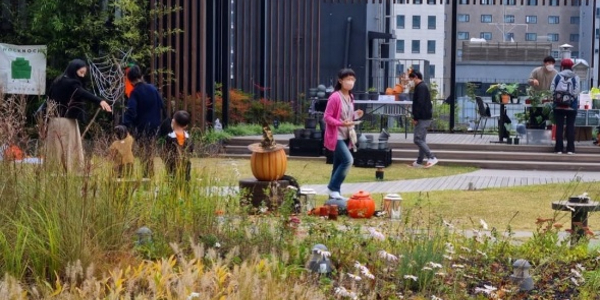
<point>317,172</point>
<point>518,207</point>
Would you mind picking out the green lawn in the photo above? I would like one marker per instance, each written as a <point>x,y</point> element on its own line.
<point>317,172</point>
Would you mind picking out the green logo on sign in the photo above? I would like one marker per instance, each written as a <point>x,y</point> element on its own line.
<point>20,68</point>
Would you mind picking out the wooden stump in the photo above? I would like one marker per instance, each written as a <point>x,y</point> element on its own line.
<point>263,193</point>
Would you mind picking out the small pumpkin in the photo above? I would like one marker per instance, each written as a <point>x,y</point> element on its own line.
<point>268,166</point>
<point>361,205</point>
<point>389,91</point>
<point>398,89</point>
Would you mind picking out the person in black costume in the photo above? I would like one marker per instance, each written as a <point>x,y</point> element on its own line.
<point>68,95</point>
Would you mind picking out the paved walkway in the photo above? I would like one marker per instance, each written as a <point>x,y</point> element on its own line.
<point>480,179</point>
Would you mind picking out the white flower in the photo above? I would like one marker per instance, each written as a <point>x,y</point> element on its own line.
<point>465,249</point>
<point>487,289</point>
<point>484,225</point>
<point>263,210</point>
<point>427,269</point>
<point>414,278</point>
<point>482,253</point>
<point>341,291</point>
<point>457,266</point>
<point>217,245</point>
<point>580,267</point>
<point>193,295</point>
<point>448,257</point>
<point>387,256</point>
<point>323,253</point>
<point>433,297</point>
<point>376,234</point>
<point>364,270</point>
<point>434,265</point>
<point>441,274</point>
<point>354,277</point>
<point>448,224</point>
<point>574,281</point>
<point>576,273</point>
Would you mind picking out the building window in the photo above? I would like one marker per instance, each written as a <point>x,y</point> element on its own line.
<point>400,21</point>
<point>531,37</point>
<point>485,35</point>
<point>553,2</point>
<point>486,18</point>
<point>464,18</point>
<point>399,46</point>
<point>463,2</point>
<point>509,18</point>
<point>597,33</point>
<point>510,37</point>
<point>575,20</point>
<point>552,37</point>
<point>459,53</point>
<point>575,54</point>
<point>486,2</point>
<point>575,2</point>
<point>431,47</point>
<point>430,1</point>
<point>574,37</point>
<point>416,22</point>
<point>553,20</point>
<point>462,35</point>
<point>431,71</point>
<point>555,53</point>
<point>417,1</point>
<point>532,2</point>
<point>416,46</point>
<point>531,19</point>
<point>510,2</point>
<point>431,22</point>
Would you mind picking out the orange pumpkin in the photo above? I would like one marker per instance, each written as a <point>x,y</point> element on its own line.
<point>389,91</point>
<point>268,166</point>
<point>398,89</point>
<point>361,205</point>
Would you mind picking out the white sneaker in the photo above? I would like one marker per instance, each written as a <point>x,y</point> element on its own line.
<point>417,165</point>
<point>431,162</point>
<point>570,153</point>
<point>335,195</point>
<point>558,152</point>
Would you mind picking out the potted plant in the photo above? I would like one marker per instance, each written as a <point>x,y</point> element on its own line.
<point>541,108</point>
<point>504,91</point>
<point>373,94</point>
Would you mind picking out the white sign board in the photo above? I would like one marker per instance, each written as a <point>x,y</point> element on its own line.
<point>23,69</point>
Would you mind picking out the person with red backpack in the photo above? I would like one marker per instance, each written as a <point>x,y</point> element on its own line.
<point>565,91</point>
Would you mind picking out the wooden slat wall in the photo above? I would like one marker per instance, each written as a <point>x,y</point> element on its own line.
<point>182,86</point>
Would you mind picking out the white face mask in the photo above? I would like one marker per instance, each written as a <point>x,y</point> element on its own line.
<point>549,68</point>
<point>348,84</point>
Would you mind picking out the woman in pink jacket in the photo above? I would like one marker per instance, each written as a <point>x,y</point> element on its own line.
<point>339,117</point>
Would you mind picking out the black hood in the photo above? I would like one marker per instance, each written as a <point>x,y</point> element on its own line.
<point>71,70</point>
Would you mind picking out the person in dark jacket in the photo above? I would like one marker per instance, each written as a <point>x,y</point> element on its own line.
<point>422,114</point>
<point>67,96</point>
<point>144,114</point>
<point>565,115</point>
<point>177,146</point>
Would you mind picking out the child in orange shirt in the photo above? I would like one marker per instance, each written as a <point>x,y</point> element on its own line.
<point>178,145</point>
<point>121,151</point>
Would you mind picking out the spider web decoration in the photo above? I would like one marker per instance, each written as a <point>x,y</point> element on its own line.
<point>108,75</point>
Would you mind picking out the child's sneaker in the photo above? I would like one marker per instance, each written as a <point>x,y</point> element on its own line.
<point>417,165</point>
<point>431,162</point>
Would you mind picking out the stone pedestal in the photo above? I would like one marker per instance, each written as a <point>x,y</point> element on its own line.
<point>262,193</point>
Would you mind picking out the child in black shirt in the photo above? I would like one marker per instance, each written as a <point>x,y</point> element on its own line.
<point>177,146</point>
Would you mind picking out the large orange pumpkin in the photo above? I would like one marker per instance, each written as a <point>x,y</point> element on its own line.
<point>268,166</point>
<point>361,205</point>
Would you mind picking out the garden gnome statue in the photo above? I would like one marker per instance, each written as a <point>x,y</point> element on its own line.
<point>319,260</point>
<point>144,236</point>
<point>521,275</point>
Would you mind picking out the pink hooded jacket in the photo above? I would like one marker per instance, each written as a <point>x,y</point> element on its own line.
<point>332,119</point>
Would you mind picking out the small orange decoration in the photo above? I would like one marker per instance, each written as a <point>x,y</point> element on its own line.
<point>13,152</point>
<point>361,205</point>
